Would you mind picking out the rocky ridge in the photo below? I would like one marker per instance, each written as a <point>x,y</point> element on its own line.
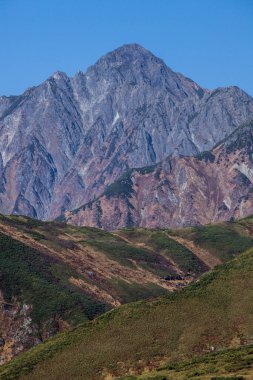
<point>63,142</point>
<point>212,186</point>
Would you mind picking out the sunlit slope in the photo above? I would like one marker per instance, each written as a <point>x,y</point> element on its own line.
<point>210,315</point>
<point>57,276</point>
<point>129,264</point>
<point>103,265</point>
<point>54,277</point>
<point>231,364</point>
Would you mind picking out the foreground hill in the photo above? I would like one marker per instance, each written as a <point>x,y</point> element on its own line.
<point>65,140</point>
<point>208,316</point>
<point>231,364</point>
<point>180,191</point>
<point>54,276</point>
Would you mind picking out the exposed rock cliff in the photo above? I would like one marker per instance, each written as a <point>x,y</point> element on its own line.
<point>18,332</point>
<point>65,140</point>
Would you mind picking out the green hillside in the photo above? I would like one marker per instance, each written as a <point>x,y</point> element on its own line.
<point>40,259</point>
<point>42,281</point>
<point>214,313</point>
<point>63,275</point>
<point>231,364</point>
<point>223,240</point>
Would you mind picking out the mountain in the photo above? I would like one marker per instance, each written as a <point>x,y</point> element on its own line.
<point>180,191</point>
<point>63,142</point>
<point>213,314</point>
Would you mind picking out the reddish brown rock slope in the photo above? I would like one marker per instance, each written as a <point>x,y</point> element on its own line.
<point>209,187</point>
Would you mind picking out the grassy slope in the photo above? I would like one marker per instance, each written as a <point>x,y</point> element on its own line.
<point>33,277</point>
<point>215,312</point>
<point>49,235</point>
<point>151,250</point>
<point>67,262</point>
<point>224,240</point>
<point>160,242</point>
<point>36,277</point>
<point>231,364</point>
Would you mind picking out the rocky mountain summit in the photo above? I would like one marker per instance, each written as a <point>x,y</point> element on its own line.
<point>63,142</point>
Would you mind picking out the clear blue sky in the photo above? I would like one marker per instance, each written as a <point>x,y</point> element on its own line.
<point>210,41</point>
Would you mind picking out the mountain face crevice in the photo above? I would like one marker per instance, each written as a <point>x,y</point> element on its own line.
<point>127,111</point>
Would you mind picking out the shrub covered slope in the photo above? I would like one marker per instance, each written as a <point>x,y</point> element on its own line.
<point>208,316</point>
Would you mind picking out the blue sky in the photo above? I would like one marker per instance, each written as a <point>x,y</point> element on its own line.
<point>210,41</point>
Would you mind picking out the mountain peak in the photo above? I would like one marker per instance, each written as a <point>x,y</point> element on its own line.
<point>127,111</point>
<point>128,53</point>
<point>132,48</point>
<point>58,75</point>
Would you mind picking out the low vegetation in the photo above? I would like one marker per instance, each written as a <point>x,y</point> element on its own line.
<point>206,156</point>
<point>224,240</point>
<point>205,317</point>
<point>78,251</point>
<point>231,364</point>
<point>42,281</point>
<point>159,241</point>
<point>122,187</point>
<point>210,315</point>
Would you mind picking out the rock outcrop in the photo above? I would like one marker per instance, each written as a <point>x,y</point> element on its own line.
<point>18,332</point>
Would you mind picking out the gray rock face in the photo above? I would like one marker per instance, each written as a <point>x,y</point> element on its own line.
<point>64,141</point>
